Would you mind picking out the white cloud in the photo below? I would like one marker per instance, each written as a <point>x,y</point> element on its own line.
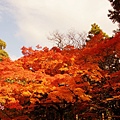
<point>13,57</point>
<point>36,18</point>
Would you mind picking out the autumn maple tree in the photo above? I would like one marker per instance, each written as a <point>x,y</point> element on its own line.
<point>63,84</point>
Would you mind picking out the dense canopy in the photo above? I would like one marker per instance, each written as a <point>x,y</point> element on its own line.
<point>69,82</point>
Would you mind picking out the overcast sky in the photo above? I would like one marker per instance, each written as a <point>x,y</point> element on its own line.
<point>29,22</point>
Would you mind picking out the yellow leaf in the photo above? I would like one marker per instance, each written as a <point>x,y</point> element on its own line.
<point>72,59</point>
<point>85,97</point>
<point>64,69</point>
<point>11,99</point>
<point>2,100</point>
<point>32,100</point>
<point>79,91</point>
<point>26,93</point>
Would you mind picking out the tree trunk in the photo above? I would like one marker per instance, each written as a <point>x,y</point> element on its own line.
<point>61,115</point>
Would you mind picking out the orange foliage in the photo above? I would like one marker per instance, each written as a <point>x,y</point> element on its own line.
<point>55,76</point>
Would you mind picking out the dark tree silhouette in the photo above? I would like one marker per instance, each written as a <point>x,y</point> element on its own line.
<point>114,14</point>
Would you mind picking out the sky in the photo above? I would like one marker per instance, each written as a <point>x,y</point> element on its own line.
<point>29,22</point>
